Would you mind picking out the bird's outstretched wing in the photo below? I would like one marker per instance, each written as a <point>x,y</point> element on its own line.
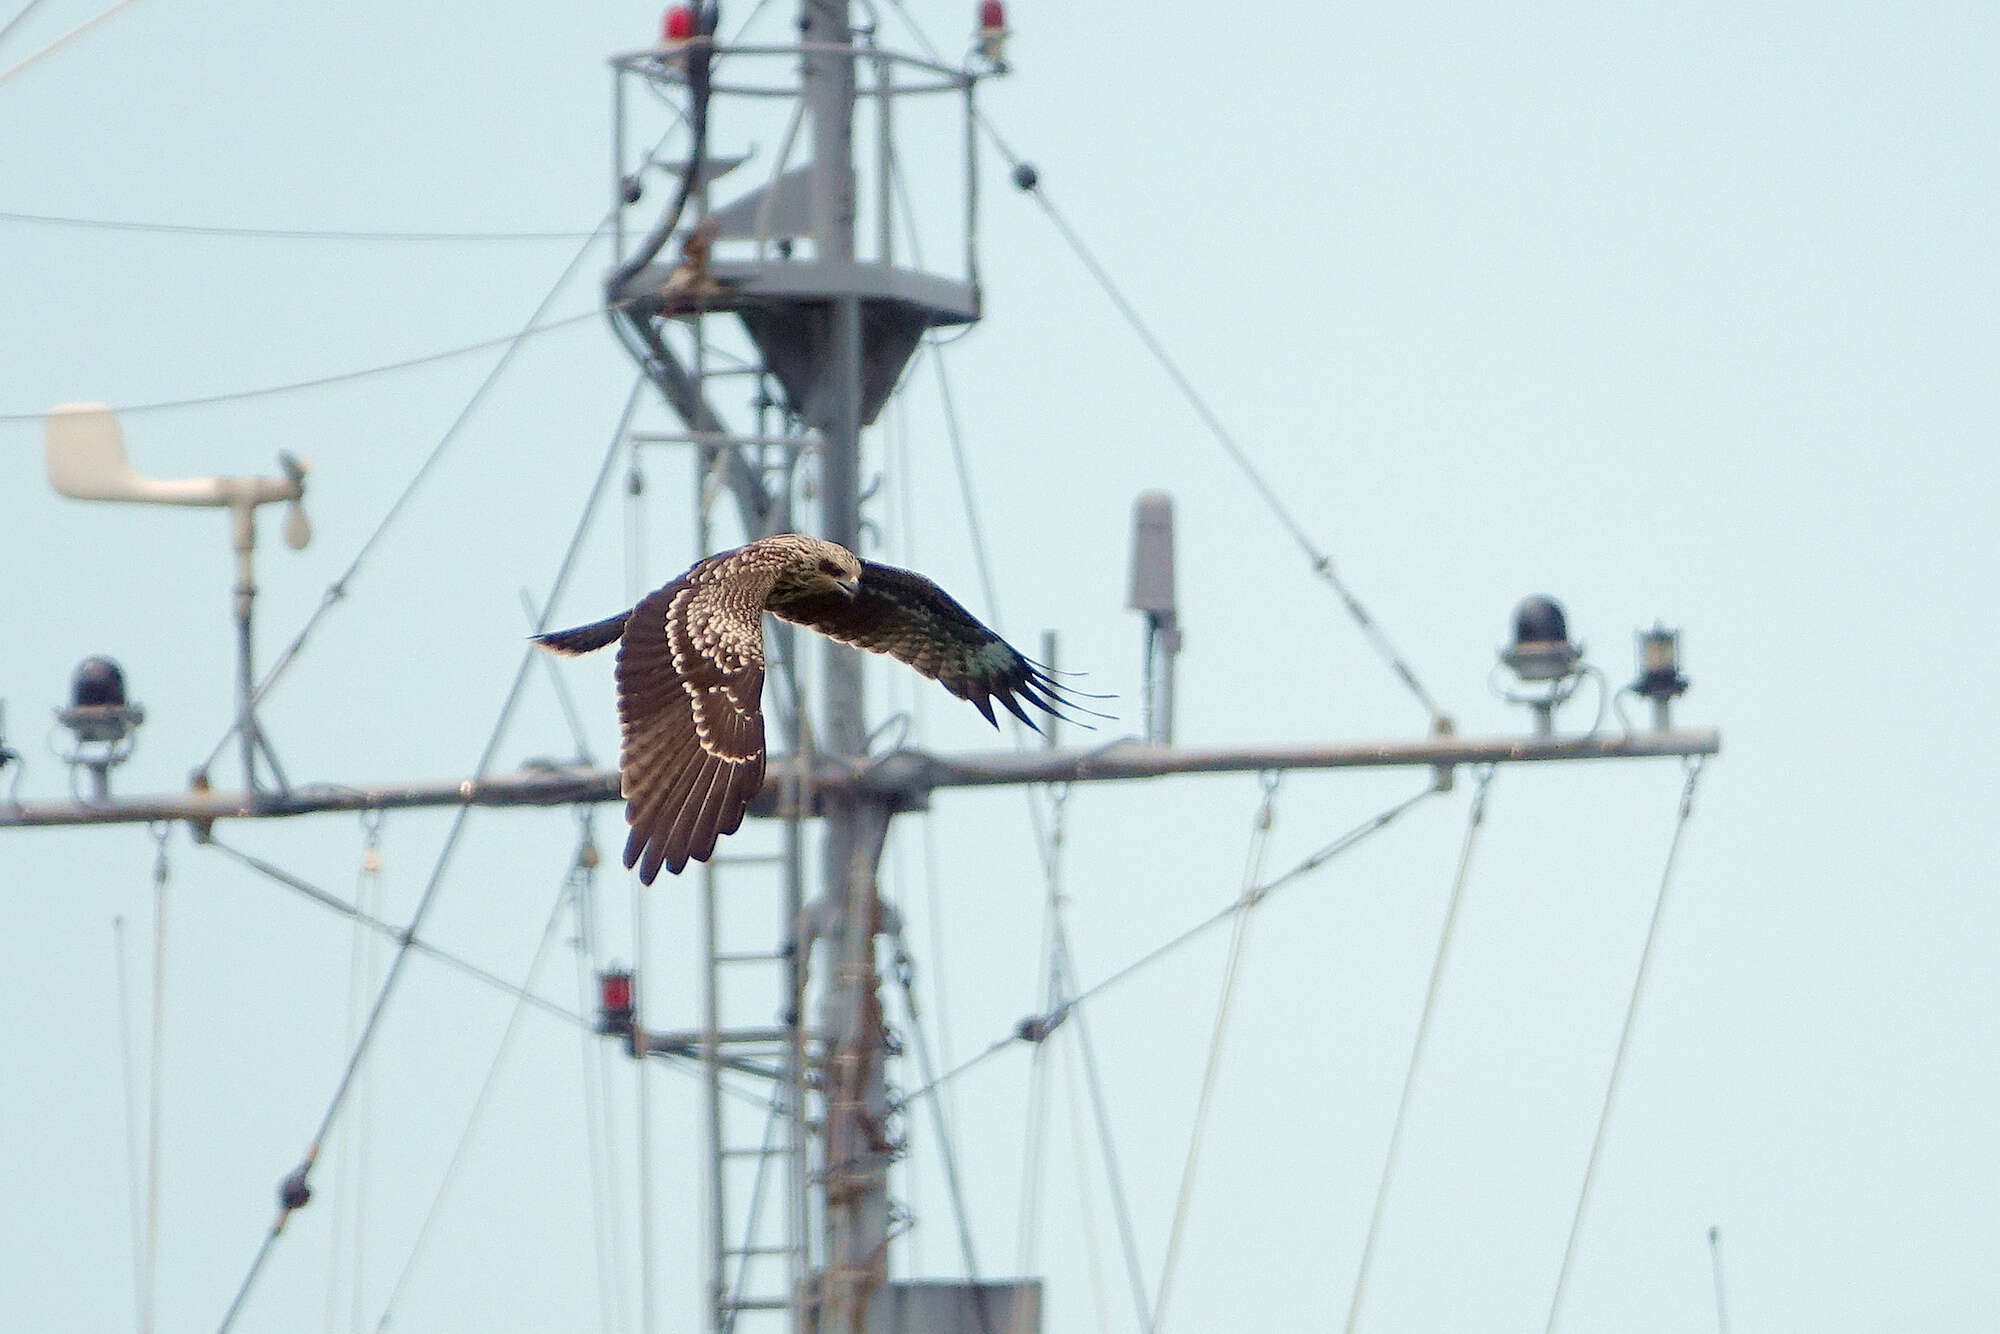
<point>690,685</point>
<point>903,614</point>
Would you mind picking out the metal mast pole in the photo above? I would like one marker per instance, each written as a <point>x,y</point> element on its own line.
<point>857,1161</point>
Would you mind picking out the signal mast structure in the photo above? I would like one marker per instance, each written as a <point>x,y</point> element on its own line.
<point>834,321</point>
<point>834,316</point>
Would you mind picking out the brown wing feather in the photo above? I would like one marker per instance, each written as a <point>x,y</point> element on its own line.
<point>903,614</point>
<point>690,682</point>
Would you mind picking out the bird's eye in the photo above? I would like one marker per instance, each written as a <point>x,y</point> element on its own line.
<point>828,567</point>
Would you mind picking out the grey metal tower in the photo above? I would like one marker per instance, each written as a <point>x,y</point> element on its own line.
<point>834,322</point>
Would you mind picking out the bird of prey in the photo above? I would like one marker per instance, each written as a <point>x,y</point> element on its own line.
<point>691,676</point>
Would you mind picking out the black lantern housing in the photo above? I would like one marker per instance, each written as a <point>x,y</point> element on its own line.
<point>97,683</point>
<point>100,710</point>
<point>1541,650</point>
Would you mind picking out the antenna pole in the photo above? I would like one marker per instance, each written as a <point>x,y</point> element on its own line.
<point>244,495</point>
<point>243,515</point>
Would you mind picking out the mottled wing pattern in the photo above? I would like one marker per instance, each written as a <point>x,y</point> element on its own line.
<point>690,682</point>
<point>903,614</point>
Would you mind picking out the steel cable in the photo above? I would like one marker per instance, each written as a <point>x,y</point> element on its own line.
<point>337,590</point>
<point>1373,824</point>
<point>486,1087</point>
<point>1239,940</point>
<point>134,1172</point>
<point>296,1183</point>
<point>19,14</point>
<point>161,874</point>
<point>390,930</point>
<point>1624,1040</point>
<point>531,330</point>
<point>62,41</point>
<point>906,977</point>
<point>1475,819</point>
<point>1322,564</point>
<point>285,233</point>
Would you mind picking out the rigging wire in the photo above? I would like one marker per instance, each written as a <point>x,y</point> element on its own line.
<point>15,22</point>
<point>928,858</point>
<point>1322,565</point>
<point>1715,1264</point>
<point>1046,830</point>
<point>350,1170</point>
<point>338,589</point>
<point>1113,1177</point>
<point>1048,833</point>
<point>60,42</point>
<point>1023,1032</point>
<point>1079,1147</point>
<point>286,233</point>
<point>1321,562</point>
<point>1373,824</point>
<point>296,1183</point>
<point>1049,839</point>
<point>962,469</point>
<point>601,1150</point>
<point>642,1112</point>
<point>560,684</point>
<point>1693,768</point>
<point>1031,1155</point>
<point>134,1175</point>
<point>906,977</point>
<point>1049,842</point>
<point>1475,819</point>
<point>486,1088</point>
<point>509,341</point>
<point>404,938</point>
<point>161,874</point>
<point>1239,939</point>
<point>773,1118</point>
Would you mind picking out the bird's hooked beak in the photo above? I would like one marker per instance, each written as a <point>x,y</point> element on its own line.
<point>851,587</point>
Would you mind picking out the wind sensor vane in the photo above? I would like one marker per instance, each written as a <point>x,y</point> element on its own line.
<point>85,453</point>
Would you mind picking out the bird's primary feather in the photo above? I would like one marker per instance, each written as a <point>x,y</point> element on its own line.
<point>905,615</point>
<point>691,676</point>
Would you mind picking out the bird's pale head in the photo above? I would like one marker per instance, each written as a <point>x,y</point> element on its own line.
<point>814,565</point>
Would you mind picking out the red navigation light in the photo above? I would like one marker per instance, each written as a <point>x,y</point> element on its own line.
<point>992,38</point>
<point>677,24</point>
<point>614,992</point>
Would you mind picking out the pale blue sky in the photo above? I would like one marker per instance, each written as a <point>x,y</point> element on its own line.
<point>1677,313</point>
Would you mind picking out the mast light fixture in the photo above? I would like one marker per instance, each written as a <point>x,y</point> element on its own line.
<point>103,719</point>
<point>1660,679</point>
<point>1543,658</point>
<point>1541,650</point>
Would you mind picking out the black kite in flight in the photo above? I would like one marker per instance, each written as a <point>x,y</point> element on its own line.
<point>691,676</point>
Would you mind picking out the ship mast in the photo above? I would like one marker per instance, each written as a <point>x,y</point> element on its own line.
<point>834,329</point>
<point>834,321</point>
